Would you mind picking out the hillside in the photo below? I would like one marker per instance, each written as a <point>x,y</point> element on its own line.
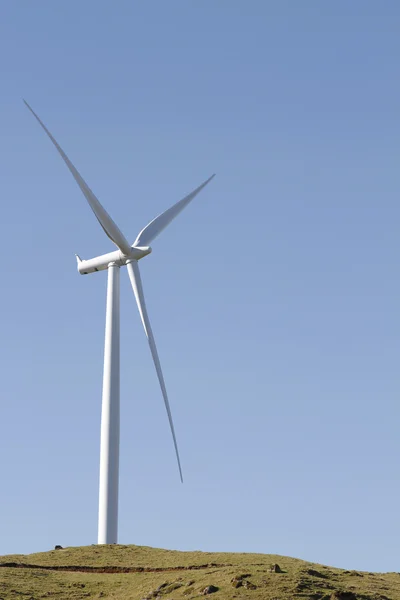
<point>134,572</point>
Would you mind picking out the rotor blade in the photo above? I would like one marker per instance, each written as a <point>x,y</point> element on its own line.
<point>110,228</point>
<point>155,227</point>
<point>134,276</point>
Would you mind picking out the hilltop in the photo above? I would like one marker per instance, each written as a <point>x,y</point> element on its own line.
<point>137,572</point>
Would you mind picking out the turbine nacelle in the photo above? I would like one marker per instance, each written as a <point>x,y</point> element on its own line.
<point>100,263</point>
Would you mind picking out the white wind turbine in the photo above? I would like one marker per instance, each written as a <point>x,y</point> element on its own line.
<point>128,256</point>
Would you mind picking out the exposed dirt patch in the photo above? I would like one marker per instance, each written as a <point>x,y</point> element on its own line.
<point>83,569</point>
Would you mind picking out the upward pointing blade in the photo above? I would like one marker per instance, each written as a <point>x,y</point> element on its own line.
<point>155,227</point>
<point>134,276</point>
<point>110,228</point>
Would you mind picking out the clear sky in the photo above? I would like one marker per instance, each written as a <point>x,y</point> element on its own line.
<point>274,297</point>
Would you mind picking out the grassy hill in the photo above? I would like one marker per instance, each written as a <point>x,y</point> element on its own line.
<point>135,572</point>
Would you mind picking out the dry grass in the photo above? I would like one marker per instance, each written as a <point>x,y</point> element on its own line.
<point>134,572</point>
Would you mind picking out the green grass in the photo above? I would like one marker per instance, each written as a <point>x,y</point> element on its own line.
<point>135,572</point>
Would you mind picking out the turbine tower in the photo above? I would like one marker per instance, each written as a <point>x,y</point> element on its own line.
<point>127,255</point>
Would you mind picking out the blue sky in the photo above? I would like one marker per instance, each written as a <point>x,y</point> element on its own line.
<point>274,297</point>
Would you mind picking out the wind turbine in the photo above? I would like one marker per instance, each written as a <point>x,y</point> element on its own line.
<point>127,255</point>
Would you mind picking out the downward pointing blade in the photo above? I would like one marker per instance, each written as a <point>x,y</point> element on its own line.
<point>134,276</point>
<point>155,227</point>
<point>110,228</point>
